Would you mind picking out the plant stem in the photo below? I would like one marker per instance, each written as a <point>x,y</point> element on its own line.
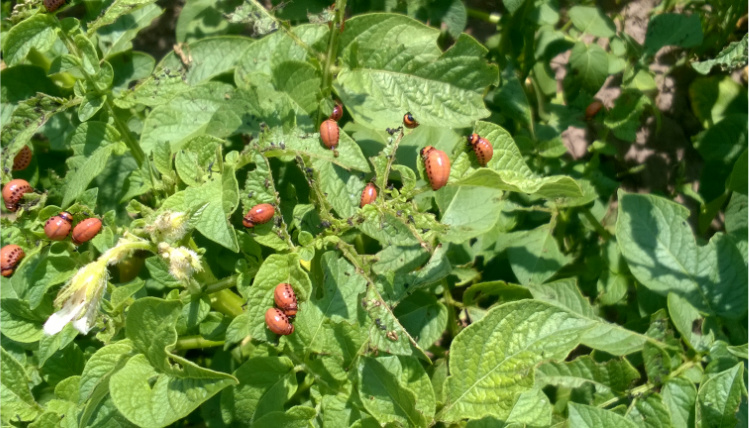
<point>491,18</point>
<point>227,302</point>
<point>228,282</point>
<point>602,232</point>
<point>196,342</point>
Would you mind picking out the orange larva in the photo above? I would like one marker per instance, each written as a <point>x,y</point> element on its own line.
<point>13,191</point>
<point>259,214</point>
<point>437,166</point>
<point>482,147</point>
<point>329,133</point>
<point>592,110</point>
<point>58,227</point>
<point>368,195</point>
<point>278,322</point>
<point>86,230</point>
<point>409,121</point>
<point>22,159</point>
<point>53,5</point>
<point>337,112</point>
<point>10,256</point>
<point>286,299</point>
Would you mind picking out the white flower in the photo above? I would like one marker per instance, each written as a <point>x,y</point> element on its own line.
<point>79,299</point>
<point>183,262</point>
<point>169,226</point>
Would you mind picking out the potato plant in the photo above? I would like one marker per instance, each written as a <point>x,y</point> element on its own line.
<point>451,254</point>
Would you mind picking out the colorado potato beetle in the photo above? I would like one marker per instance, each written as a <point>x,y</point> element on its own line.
<point>437,166</point>
<point>329,133</point>
<point>278,322</point>
<point>368,195</point>
<point>22,159</point>
<point>10,256</point>
<point>86,230</point>
<point>337,112</point>
<point>409,121</point>
<point>593,108</point>
<point>259,214</point>
<point>58,227</point>
<point>285,299</point>
<point>13,191</point>
<point>482,147</point>
<point>53,5</point>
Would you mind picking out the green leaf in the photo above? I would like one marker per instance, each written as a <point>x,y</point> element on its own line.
<point>679,395</point>
<point>721,146</point>
<point>200,110</point>
<point>740,169</point>
<point>265,384</point>
<point>90,105</point>
<point>157,388</point>
<point>256,58</point>
<point>611,377</point>
<point>100,367</point>
<point>590,64</point>
<point>423,316</point>
<point>87,54</point>
<point>216,200</point>
<point>534,255</point>
<point>38,32</point>
<point>295,417</point>
<point>565,293</point>
<point>210,57</point>
<point>115,10</point>
<point>193,159</point>
<point>715,97</point>
<point>686,318</point>
<point>118,36</point>
<point>650,411</point>
<point>584,416</point>
<point>671,29</point>
<point>385,397</point>
<point>719,397</point>
<point>520,335</point>
<point>277,268</point>
<point>624,118</point>
<point>342,188</point>
<point>385,227</point>
<point>398,56</point>
<point>18,401</point>
<point>87,172</point>
<point>149,398</point>
<point>659,246</point>
<point>507,169</point>
<point>592,21</point>
<point>729,58</point>
<point>301,82</point>
<point>471,212</point>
